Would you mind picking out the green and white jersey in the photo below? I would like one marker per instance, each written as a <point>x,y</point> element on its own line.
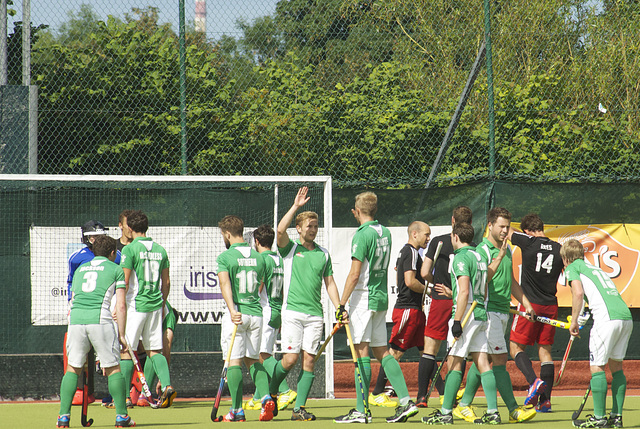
<point>273,279</point>
<point>246,270</point>
<point>467,262</point>
<point>499,300</point>
<point>146,260</point>
<point>371,245</point>
<point>304,271</point>
<point>600,292</point>
<point>94,285</point>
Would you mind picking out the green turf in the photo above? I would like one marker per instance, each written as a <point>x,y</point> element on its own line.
<point>195,415</point>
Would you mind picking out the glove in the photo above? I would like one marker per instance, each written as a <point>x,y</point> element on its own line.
<point>341,313</point>
<point>583,318</point>
<point>456,329</point>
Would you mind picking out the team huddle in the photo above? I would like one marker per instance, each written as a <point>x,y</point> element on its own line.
<point>267,292</point>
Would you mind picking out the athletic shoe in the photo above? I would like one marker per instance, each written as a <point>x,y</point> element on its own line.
<point>167,397</point>
<point>63,421</point>
<point>403,412</point>
<point>592,422</point>
<point>420,402</point>
<point>275,401</point>
<point>354,416</point>
<point>252,404</point>
<point>124,421</point>
<point>459,393</point>
<point>467,413</point>
<point>111,405</point>
<point>381,400</point>
<point>237,416</point>
<point>266,412</point>
<point>544,407</point>
<point>286,398</point>
<point>489,419</point>
<point>142,401</point>
<point>437,418</point>
<point>129,403</point>
<point>615,421</point>
<point>390,392</point>
<point>522,414</point>
<point>77,397</point>
<point>302,415</point>
<point>534,390</point>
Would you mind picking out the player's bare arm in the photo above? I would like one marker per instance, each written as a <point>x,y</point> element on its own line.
<point>412,282</point>
<point>577,301</point>
<point>332,291</point>
<point>227,295</point>
<point>121,317</point>
<point>127,276</point>
<point>352,280</point>
<point>518,293</point>
<point>299,201</point>
<point>443,290</point>
<point>425,271</point>
<point>493,266</point>
<point>464,283</point>
<point>166,284</point>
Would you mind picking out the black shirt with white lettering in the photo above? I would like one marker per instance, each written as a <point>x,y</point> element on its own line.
<point>541,267</point>
<point>408,260</point>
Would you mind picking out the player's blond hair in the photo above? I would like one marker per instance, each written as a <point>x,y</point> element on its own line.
<point>367,202</point>
<point>572,250</point>
<point>304,216</point>
<point>232,224</point>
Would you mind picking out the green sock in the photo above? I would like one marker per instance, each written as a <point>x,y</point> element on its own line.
<point>234,381</point>
<point>618,391</point>
<point>162,369</point>
<point>304,387</point>
<point>451,385</point>
<point>260,378</point>
<point>503,382</point>
<point>67,390</point>
<point>470,389</point>
<point>364,365</point>
<point>269,364</point>
<point>279,374</point>
<point>599,392</point>
<point>126,366</point>
<point>118,391</point>
<point>490,391</point>
<point>149,373</point>
<point>394,374</point>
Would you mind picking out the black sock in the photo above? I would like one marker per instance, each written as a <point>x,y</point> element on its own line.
<point>425,372</point>
<point>380,383</point>
<point>547,374</point>
<point>439,380</point>
<point>526,367</point>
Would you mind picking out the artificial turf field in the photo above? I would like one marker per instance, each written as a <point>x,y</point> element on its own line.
<point>195,414</point>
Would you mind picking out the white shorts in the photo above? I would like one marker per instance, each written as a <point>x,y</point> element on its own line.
<point>269,334</point>
<point>473,338</point>
<point>247,342</point>
<point>144,327</point>
<point>609,340</point>
<point>300,331</point>
<point>102,337</point>
<point>368,326</point>
<point>496,328</point>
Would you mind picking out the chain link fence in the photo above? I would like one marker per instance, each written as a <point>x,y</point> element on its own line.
<point>361,90</point>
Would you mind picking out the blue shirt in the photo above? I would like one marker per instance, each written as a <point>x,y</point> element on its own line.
<point>78,258</point>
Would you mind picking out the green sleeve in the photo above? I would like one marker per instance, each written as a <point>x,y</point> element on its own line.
<point>223,266</point>
<point>284,251</point>
<point>126,257</point>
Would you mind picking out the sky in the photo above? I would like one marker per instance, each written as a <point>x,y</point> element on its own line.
<point>221,14</point>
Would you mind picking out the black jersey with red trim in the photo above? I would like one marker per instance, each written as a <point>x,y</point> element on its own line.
<point>440,269</point>
<point>541,267</point>
<point>408,260</point>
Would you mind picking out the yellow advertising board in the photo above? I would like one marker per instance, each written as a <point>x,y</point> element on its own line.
<point>613,248</point>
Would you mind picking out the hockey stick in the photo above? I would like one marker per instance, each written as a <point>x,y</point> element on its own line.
<point>576,413</point>
<point>435,257</point>
<point>367,411</point>
<point>542,319</point>
<point>444,359</point>
<point>223,378</point>
<point>564,361</point>
<point>85,394</point>
<point>335,329</point>
<point>143,380</point>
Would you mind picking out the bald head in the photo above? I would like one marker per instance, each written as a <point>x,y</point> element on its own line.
<point>419,234</point>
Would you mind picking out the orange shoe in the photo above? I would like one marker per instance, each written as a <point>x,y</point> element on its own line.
<point>142,401</point>
<point>268,405</point>
<point>77,398</point>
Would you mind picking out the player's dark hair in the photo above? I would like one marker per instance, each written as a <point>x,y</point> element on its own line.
<point>531,222</point>
<point>464,231</point>
<point>462,214</point>
<point>103,246</point>
<point>138,221</point>
<point>264,235</point>
<point>497,212</point>
<point>124,214</point>
<point>232,224</point>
